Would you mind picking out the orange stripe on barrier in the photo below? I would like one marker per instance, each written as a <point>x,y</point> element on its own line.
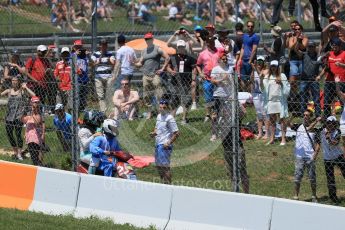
<point>17,185</point>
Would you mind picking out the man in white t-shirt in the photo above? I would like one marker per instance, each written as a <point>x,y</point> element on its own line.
<point>125,60</point>
<point>306,153</point>
<point>165,132</point>
<point>333,154</point>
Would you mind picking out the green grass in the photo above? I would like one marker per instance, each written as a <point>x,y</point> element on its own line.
<point>199,163</point>
<point>16,219</point>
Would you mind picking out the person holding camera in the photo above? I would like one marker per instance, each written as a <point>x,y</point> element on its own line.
<point>17,101</point>
<point>306,153</point>
<point>104,62</point>
<point>297,45</point>
<point>333,154</point>
<point>11,69</point>
<point>182,34</point>
<point>83,75</point>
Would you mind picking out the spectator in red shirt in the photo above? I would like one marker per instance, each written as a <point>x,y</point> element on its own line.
<point>37,69</point>
<point>62,73</point>
<point>336,59</point>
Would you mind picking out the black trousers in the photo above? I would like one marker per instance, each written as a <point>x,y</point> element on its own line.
<point>14,133</point>
<point>329,168</point>
<point>35,151</point>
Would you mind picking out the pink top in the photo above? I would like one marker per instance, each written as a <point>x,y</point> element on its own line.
<point>33,131</point>
<point>209,59</point>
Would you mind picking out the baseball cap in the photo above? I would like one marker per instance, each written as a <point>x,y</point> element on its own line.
<point>276,31</point>
<point>42,48</point>
<point>148,35</point>
<point>64,49</point>
<point>210,26</point>
<point>197,28</point>
<point>15,52</point>
<point>59,106</point>
<point>262,58</point>
<point>274,63</point>
<point>35,99</point>
<point>78,43</point>
<point>181,43</point>
<point>121,38</point>
<point>331,118</point>
<point>163,102</point>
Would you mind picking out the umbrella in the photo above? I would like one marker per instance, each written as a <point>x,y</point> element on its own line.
<point>140,44</point>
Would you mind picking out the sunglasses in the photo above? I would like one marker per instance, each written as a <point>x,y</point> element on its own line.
<point>298,29</point>
<point>250,26</point>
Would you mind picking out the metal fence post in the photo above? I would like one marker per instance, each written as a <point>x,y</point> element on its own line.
<point>212,12</point>
<point>94,26</point>
<point>235,135</point>
<point>75,105</point>
<point>299,10</point>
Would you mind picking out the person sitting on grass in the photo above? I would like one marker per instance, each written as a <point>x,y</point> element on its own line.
<point>103,147</point>
<point>165,132</point>
<point>63,125</point>
<point>125,101</point>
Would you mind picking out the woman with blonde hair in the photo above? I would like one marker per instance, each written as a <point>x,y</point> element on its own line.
<point>276,90</point>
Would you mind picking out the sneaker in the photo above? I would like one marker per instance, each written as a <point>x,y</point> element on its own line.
<point>207,118</point>
<point>193,106</point>
<point>19,157</point>
<point>295,198</point>
<point>213,138</point>
<point>314,199</point>
<point>183,122</point>
<point>179,110</point>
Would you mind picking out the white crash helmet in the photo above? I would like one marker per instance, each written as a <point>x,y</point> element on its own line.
<point>110,127</point>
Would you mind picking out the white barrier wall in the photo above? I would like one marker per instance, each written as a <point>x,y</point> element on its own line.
<point>208,209</point>
<point>56,191</point>
<point>139,203</point>
<point>288,214</point>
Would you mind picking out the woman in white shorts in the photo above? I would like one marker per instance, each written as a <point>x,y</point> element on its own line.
<point>258,100</point>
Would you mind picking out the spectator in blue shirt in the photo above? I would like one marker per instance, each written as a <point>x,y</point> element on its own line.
<point>63,125</point>
<point>103,147</point>
<point>248,55</point>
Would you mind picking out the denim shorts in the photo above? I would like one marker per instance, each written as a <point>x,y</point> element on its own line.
<point>300,164</point>
<point>162,155</point>
<point>246,71</point>
<point>296,68</point>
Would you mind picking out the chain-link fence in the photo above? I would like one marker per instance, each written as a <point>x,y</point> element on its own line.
<point>273,117</point>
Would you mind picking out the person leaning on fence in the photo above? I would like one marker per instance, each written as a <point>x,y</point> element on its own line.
<point>63,125</point>
<point>182,69</point>
<point>102,148</point>
<point>62,73</point>
<point>12,69</point>
<point>165,133</point>
<point>276,90</point>
<point>104,62</point>
<point>125,101</point>
<point>206,61</point>
<point>37,67</point>
<point>306,153</point>
<point>17,101</point>
<point>258,99</point>
<point>89,130</point>
<point>150,63</point>
<point>125,60</point>
<point>222,79</point>
<point>34,131</point>
<point>309,81</point>
<point>333,154</point>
